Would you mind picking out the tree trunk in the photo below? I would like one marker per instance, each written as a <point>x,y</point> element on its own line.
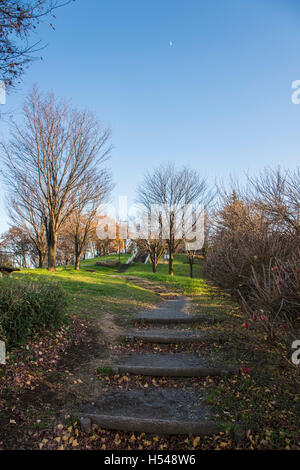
<point>191,269</point>
<point>171,262</point>
<point>77,262</point>
<point>52,242</point>
<point>77,255</point>
<point>171,246</point>
<point>154,261</point>
<point>42,256</point>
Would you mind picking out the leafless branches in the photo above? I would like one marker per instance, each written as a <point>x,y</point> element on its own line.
<point>19,18</point>
<point>254,245</point>
<point>172,190</point>
<point>54,163</point>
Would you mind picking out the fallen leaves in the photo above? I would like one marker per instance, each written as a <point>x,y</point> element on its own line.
<point>238,397</point>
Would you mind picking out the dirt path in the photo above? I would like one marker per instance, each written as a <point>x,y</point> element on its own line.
<point>152,410</point>
<point>144,394</point>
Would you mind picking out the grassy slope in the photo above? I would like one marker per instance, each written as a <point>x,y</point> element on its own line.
<point>266,396</point>
<point>97,288</point>
<point>180,281</point>
<point>105,288</point>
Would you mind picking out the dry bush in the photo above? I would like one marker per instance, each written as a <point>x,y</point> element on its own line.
<point>273,302</point>
<point>276,289</point>
<point>254,248</point>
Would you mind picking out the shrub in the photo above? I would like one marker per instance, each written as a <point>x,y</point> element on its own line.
<point>275,290</point>
<point>29,307</point>
<point>274,297</point>
<point>254,248</point>
<point>241,241</point>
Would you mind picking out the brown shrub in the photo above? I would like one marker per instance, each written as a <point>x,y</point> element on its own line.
<point>254,248</point>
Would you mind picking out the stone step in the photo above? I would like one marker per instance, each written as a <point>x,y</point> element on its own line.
<point>154,426</point>
<point>167,336</point>
<point>167,317</point>
<point>167,365</point>
<point>164,411</point>
<point>174,311</point>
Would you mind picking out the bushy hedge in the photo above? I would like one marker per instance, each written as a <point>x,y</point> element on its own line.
<point>28,307</point>
<point>254,248</point>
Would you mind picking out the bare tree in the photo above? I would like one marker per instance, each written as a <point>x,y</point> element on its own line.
<point>17,242</point>
<point>65,248</point>
<point>21,213</point>
<point>19,18</point>
<point>58,153</point>
<point>192,256</point>
<point>172,190</point>
<point>254,245</point>
<point>81,224</point>
<point>155,247</point>
<point>276,194</point>
<point>150,241</point>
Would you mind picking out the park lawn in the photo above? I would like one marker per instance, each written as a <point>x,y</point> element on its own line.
<point>95,289</point>
<point>36,385</point>
<point>180,281</point>
<point>39,382</point>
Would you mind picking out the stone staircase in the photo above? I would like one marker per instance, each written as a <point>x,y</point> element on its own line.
<point>123,268</point>
<point>163,411</point>
<point>140,258</point>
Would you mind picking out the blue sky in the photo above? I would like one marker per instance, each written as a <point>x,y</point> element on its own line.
<point>218,100</point>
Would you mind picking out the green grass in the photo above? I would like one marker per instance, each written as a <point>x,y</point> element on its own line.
<point>267,398</point>
<point>104,371</point>
<point>180,281</point>
<point>95,289</point>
